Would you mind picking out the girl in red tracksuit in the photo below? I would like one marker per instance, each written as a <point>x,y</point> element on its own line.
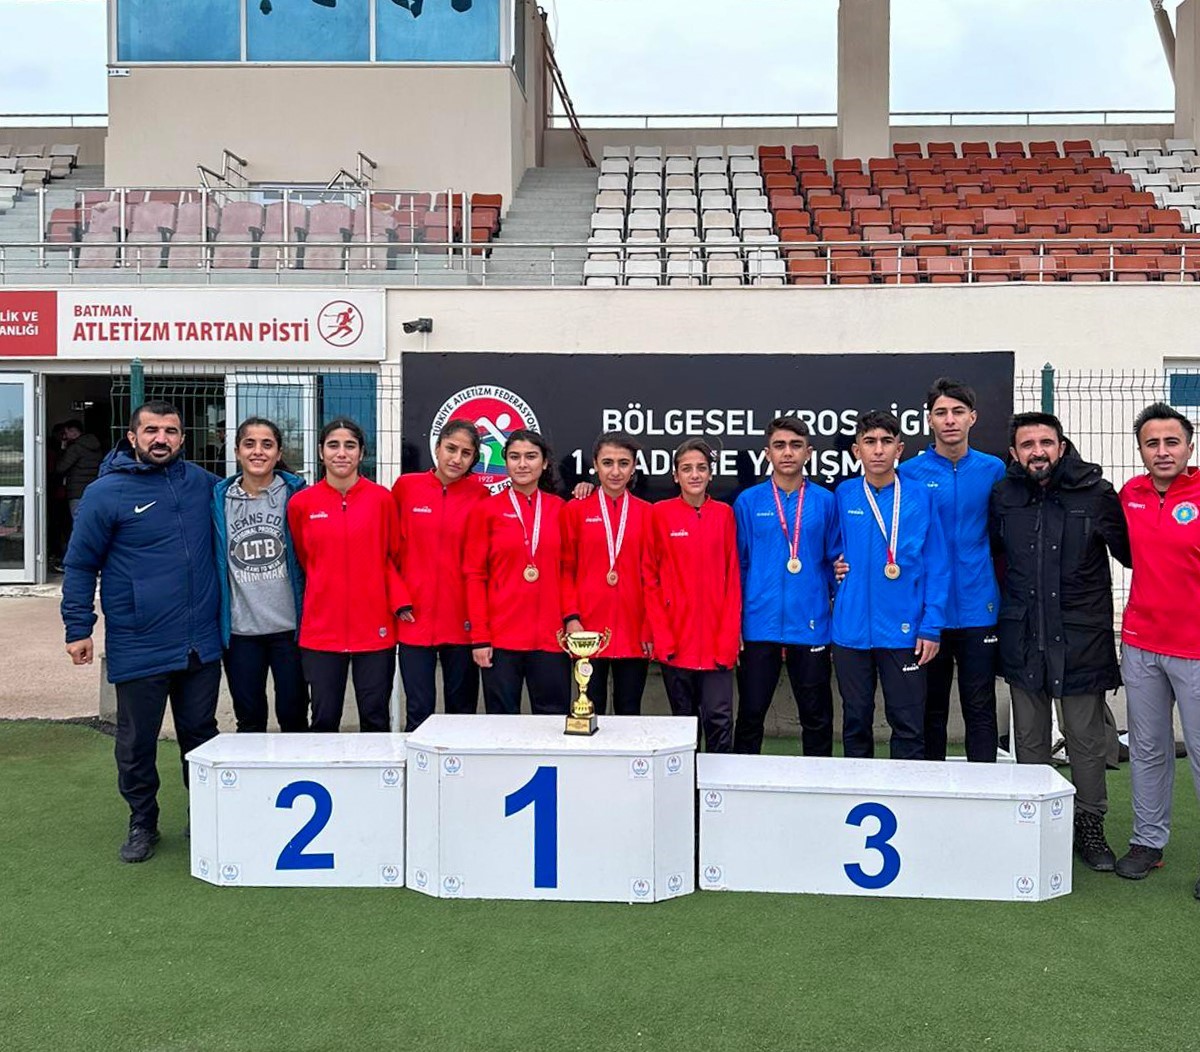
<point>603,539</point>
<point>434,507</point>
<point>512,565</point>
<point>347,537</point>
<point>694,597</point>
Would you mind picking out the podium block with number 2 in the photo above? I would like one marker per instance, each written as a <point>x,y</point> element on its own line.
<point>509,807</point>
<point>298,810</point>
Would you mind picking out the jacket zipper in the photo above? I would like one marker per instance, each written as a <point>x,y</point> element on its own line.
<point>346,563</point>
<point>1041,569</point>
<point>187,554</point>
<point>952,544</point>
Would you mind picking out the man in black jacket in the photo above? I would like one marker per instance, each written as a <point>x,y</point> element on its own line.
<point>1054,520</point>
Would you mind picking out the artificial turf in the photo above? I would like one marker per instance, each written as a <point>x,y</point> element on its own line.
<point>98,955</point>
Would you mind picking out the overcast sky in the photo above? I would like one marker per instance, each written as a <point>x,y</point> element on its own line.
<point>639,56</point>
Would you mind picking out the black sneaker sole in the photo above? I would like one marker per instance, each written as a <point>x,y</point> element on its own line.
<point>134,861</point>
<point>1102,867</point>
<point>1140,874</point>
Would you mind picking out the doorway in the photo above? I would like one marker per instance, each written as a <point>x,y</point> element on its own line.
<point>82,399</point>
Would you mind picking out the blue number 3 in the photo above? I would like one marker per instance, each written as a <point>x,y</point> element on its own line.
<point>878,841</point>
<point>292,856</point>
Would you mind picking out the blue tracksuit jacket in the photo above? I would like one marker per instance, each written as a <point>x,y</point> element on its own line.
<point>777,606</point>
<point>869,611</point>
<point>960,493</point>
<point>147,532</point>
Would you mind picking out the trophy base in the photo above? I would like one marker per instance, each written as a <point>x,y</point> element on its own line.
<point>582,725</point>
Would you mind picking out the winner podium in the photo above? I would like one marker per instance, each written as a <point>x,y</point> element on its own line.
<point>510,807</point>
<point>298,810</point>
<point>884,827</point>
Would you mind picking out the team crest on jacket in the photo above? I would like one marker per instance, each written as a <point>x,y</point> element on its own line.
<point>1185,513</point>
<point>496,412</point>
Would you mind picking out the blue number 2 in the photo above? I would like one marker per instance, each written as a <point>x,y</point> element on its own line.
<point>542,791</point>
<point>879,841</point>
<point>292,856</point>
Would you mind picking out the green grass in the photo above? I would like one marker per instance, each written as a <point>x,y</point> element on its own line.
<point>99,955</point>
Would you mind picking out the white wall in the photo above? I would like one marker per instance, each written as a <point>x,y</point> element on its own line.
<point>431,127</point>
<point>1075,326</point>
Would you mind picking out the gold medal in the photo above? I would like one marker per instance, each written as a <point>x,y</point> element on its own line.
<point>793,565</point>
<point>612,578</point>
<point>531,573</point>
<point>891,571</point>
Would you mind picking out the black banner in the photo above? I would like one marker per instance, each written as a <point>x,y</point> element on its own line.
<point>661,399</point>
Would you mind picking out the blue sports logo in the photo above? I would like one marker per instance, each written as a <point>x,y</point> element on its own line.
<point>1185,513</point>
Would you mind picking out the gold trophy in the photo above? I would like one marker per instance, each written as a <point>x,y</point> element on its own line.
<point>582,646</point>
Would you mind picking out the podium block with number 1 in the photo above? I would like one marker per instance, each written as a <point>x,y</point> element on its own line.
<point>509,807</point>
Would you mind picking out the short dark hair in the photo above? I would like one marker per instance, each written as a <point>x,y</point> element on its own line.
<point>944,387</point>
<point>873,420</point>
<point>787,423</point>
<point>460,425</point>
<point>155,407</point>
<point>344,423</point>
<point>618,439</point>
<point>74,424</point>
<point>1020,420</point>
<point>693,445</point>
<point>1157,411</point>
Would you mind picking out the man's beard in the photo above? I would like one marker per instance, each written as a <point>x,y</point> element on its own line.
<point>145,458</point>
<point>1039,471</point>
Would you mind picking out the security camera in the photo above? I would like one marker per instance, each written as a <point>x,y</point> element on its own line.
<point>418,325</point>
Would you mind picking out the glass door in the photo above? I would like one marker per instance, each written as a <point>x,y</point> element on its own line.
<point>289,400</point>
<point>17,494</point>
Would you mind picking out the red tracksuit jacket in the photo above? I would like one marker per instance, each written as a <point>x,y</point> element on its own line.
<point>349,548</point>
<point>433,529</point>
<point>505,610</point>
<point>693,584</point>
<point>1164,533</point>
<point>621,608</point>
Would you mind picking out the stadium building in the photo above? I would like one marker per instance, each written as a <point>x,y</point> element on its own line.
<point>390,209</point>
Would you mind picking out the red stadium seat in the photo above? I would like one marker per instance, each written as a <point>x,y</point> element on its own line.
<point>851,270</point>
<point>944,270</point>
<point>906,149</point>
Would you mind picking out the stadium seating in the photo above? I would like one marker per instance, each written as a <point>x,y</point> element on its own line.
<point>225,233</point>
<point>938,214</point>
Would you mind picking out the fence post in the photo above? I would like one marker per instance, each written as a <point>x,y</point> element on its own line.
<point>137,383</point>
<point>1047,388</point>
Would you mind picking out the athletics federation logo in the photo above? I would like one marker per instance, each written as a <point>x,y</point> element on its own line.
<point>496,412</point>
<point>1185,513</point>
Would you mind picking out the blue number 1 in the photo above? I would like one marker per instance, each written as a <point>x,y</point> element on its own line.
<point>890,869</point>
<point>542,791</point>
<point>292,856</point>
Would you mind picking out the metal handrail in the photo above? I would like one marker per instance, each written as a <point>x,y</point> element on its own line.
<point>796,118</point>
<point>363,178</point>
<point>475,262</point>
<point>71,118</point>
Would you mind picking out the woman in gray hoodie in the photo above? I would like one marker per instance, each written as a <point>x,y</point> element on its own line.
<point>262,585</point>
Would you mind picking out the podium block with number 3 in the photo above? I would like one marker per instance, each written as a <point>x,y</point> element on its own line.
<point>884,827</point>
<point>298,810</point>
<point>510,807</point>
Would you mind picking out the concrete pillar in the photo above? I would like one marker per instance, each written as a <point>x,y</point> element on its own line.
<point>864,70</point>
<point>1187,71</point>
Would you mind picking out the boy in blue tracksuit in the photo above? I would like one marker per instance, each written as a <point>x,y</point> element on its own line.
<point>960,480</point>
<point>890,607</point>
<point>143,528</point>
<point>787,539</point>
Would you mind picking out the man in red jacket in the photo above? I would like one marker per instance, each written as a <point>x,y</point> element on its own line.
<point>1160,653</point>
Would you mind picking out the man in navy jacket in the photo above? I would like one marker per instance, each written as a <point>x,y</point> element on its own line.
<point>960,480</point>
<point>890,607</point>
<point>144,527</point>
<point>787,538</point>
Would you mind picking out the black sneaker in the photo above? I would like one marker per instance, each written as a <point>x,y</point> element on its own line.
<point>139,846</point>
<point>1138,861</point>
<point>1196,889</point>
<point>1090,845</point>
